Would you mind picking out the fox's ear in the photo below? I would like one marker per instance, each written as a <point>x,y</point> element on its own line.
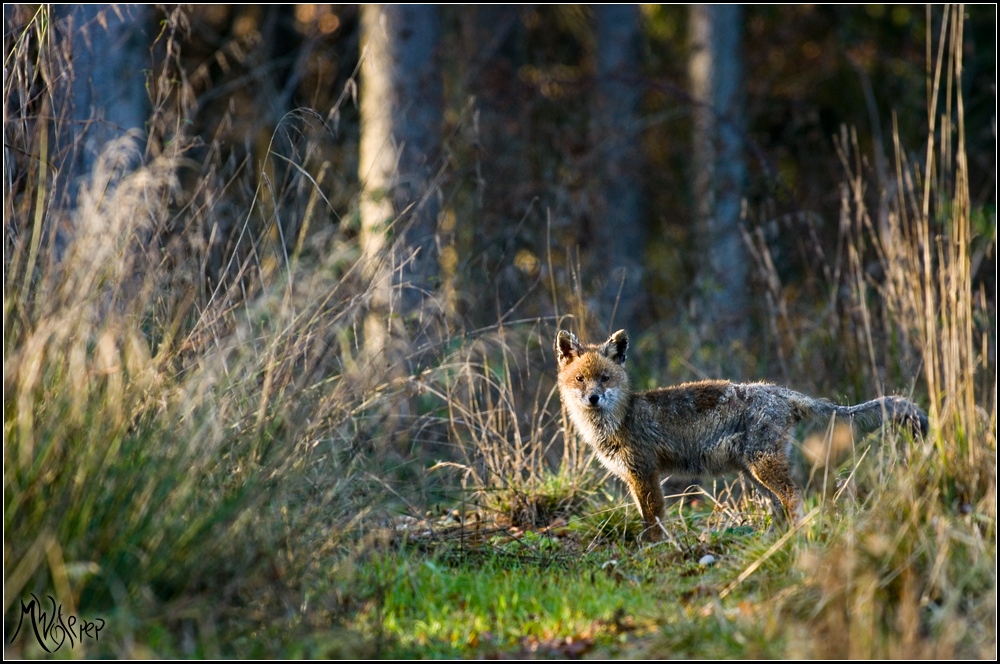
<point>615,346</point>
<point>567,347</point>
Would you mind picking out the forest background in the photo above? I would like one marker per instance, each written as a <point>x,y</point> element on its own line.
<point>281,284</point>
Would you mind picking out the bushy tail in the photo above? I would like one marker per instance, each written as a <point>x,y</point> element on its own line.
<point>871,414</point>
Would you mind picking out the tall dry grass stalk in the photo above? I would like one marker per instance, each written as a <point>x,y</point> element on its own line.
<point>503,414</point>
<point>170,440</point>
<point>922,237</point>
<point>911,570</point>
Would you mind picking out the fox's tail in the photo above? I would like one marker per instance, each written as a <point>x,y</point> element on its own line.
<point>870,415</point>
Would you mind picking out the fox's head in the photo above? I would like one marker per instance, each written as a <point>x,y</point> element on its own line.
<point>592,380</point>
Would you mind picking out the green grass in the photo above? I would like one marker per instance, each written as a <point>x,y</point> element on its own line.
<point>543,593</point>
<point>843,585</point>
<point>437,608</point>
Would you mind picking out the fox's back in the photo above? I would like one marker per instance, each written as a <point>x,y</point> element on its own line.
<point>709,426</point>
<point>720,403</point>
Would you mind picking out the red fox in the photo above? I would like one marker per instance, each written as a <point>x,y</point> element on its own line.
<point>705,428</point>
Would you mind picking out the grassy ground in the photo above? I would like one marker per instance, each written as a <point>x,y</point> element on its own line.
<point>887,575</point>
<point>881,569</point>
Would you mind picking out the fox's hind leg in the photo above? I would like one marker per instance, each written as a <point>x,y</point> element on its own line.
<point>771,471</point>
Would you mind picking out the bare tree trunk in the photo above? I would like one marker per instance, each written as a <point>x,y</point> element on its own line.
<point>719,170</point>
<point>620,229</point>
<point>493,42</point>
<point>401,111</point>
<point>109,57</point>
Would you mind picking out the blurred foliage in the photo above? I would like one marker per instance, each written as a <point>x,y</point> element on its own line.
<point>520,185</point>
<point>811,73</point>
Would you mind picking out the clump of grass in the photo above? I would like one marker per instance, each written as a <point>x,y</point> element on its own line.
<point>515,454</point>
<point>178,458</point>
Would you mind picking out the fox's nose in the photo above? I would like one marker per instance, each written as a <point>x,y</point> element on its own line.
<point>594,399</point>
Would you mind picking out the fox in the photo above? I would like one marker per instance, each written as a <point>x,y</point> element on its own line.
<point>704,428</point>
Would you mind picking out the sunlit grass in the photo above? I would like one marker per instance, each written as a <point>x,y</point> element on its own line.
<point>436,609</point>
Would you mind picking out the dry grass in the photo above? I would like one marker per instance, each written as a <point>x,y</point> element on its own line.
<point>910,572</point>
<point>170,441</point>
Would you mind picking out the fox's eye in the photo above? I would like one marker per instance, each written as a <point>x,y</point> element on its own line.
<point>579,379</point>
<point>604,378</point>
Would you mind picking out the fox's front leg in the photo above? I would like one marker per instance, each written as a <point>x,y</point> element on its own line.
<point>648,496</point>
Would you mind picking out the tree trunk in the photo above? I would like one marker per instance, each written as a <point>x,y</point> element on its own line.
<point>621,214</point>
<point>109,58</point>
<point>719,171</point>
<point>493,45</point>
<point>401,111</point>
